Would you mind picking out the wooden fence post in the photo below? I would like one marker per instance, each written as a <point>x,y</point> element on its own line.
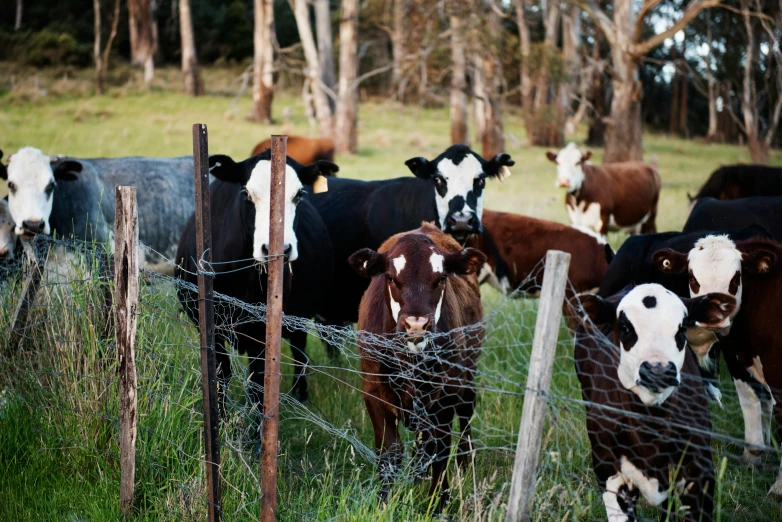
<point>271,380</point>
<point>541,363</point>
<point>32,281</point>
<point>203,219</point>
<point>126,292</point>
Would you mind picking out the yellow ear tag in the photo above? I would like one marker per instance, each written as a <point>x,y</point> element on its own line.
<point>504,173</point>
<point>320,185</point>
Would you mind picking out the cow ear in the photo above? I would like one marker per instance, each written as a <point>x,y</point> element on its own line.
<point>585,156</point>
<point>67,170</point>
<point>497,167</point>
<point>552,156</point>
<point>758,261</point>
<point>226,169</point>
<point>368,263</point>
<point>600,311</point>
<point>709,310</point>
<point>609,253</point>
<point>316,174</point>
<point>465,261</point>
<point>421,167</point>
<point>669,261</point>
<point>3,170</point>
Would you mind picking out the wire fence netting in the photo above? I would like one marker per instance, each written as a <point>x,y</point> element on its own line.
<point>60,373</point>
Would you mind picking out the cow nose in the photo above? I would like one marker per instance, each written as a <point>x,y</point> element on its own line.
<point>32,226</point>
<point>286,251</point>
<point>563,183</point>
<point>657,377</point>
<point>416,325</point>
<point>462,222</point>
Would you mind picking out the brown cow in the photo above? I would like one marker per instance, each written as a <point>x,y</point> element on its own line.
<point>421,334</point>
<point>304,150</point>
<point>607,197</point>
<point>515,245</point>
<point>647,415</point>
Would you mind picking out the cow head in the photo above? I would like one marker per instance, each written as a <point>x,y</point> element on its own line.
<point>570,162</point>
<point>649,325</point>
<point>254,174</point>
<point>32,178</point>
<point>416,273</point>
<point>459,177</point>
<point>7,237</point>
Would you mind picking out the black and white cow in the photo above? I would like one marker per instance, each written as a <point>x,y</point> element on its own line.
<point>447,190</point>
<point>647,415</point>
<point>239,199</point>
<point>7,236</point>
<point>75,198</point>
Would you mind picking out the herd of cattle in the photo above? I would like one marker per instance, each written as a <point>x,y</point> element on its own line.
<point>404,258</point>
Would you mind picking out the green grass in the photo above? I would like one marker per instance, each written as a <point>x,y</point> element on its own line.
<point>58,408</point>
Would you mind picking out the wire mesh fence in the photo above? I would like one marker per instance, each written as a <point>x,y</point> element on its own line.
<point>63,377</point>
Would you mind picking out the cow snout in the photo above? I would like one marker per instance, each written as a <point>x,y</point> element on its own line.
<point>286,251</point>
<point>462,225</point>
<point>563,183</point>
<point>657,377</point>
<point>416,327</point>
<point>31,227</point>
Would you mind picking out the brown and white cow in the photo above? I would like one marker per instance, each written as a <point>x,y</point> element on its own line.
<point>647,414</point>
<point>304,150</point>
<point>515,245</point>
<point>421,334</point>
<point>750,271</point>
<point>614,196</point>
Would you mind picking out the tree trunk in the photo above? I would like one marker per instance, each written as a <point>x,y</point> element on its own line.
<point>347,106</point>
<point>96,49</point>
<point>492,138</point>
<point>711,135</point>
<point>143,36</point>
<point>263,62</point>
<point>18,21</point>
<point>758,148</point>
<point>673,119</point>
<point>194,85</point>
<point>526,51</point>
<point>683,94</point>
<point>397,46</point>
<point>458,78</point>
<point>325,45</point>
<point>322,105</point>
<point>578,82</point>
<point>623,136</point>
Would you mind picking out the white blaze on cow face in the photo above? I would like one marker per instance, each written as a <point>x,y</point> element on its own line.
<point>258,190</point>
<point>570,174</point>
<point>436,260</point>
<point>7,237</point>
<point>399,264</point>
<point>395,306</point>
<point>714,265</point>
<point>460,183</point>
<point>30,188</point>
<point>652,342</point>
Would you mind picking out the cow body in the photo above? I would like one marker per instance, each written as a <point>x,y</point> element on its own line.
<point>716,216</point>
<point>647,416</point>
<point>515,246</point>
<point>614,196</point>
<point>304,150</point>
<point>742,181</point>
<point>421,334</point>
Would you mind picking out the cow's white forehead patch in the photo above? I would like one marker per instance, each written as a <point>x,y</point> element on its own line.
<point>714,260</point>
<point>436,261</point>
<point>399,263</point>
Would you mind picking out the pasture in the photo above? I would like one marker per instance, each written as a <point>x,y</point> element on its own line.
<point>58,407</point>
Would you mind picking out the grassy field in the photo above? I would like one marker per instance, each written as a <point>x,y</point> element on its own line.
<point>58,407</point>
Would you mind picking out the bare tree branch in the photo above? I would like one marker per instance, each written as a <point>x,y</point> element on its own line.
<point>695,7</point>
<point>600,17</point>
<point>641,18</point>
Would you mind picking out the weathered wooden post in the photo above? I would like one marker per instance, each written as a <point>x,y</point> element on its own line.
<point>32,281</point>
<point>126,298</point>
<point>541,363</point>
<point>271,380</point>
<point>203,219</point>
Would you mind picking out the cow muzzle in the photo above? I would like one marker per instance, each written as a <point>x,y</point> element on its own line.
<point>461,225</point>
<point>31,227</point>
<point>563,183</point>
<point>286,253</point>
<point>657,377</point>
<point>416,327</point>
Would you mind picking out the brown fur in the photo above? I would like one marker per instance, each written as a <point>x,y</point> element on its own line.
<point>625,191</point>
<point>522,242</point>
<point>446,386</point>
<point>304,150</point>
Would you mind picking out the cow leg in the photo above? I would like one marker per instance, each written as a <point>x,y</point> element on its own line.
<point>649,226</point>
<point>387,443</point>
<point>620,498</point>
<point>776,489</point>
<point>752,411</point>
<point>298,342</point>
<point>465,410</point>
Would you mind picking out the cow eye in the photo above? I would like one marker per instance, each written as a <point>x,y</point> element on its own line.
<point>390,278</point>
<point>11,186</point>
<point>681,337</point>
<point>480,182</point>
<point>247,198</point>
<point>49,188</point>
<point>439,181</point>
<point>443,278</point>
<point>298,196</point>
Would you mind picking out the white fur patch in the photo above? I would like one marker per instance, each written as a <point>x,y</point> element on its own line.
<point>613,509</point>
<point>30,170</point>
<point>570,174</point>
<point>586,215</point>
<point>649,488</point>
<point>438,309</point>
<point>399,264</point>
<point>591,232</point>
<point>395,307</point>
<point>436,261</point>
<point>7,236</point>
<point>752,412</point>
<point>714,260</point>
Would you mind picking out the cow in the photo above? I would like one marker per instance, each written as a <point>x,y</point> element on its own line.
<point>741,181</point>
<point>239,200</point>
<point>447,191</point>
<point>515,246</point>
<point>75,198</point>
<point>647,415</point>
<point>304,150</point>
<point>8,238</point>
<point>747,270</point>
<point>613,196</point>
<point>717,216</point>
<point>421,332</point>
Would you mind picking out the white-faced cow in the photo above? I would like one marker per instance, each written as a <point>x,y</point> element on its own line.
<point>7,236</point>
<point>421,336</point>
<point>447,191</point>
<point>75,198</point>
<point>647,415</point>
<point>240,199</point>
<point>613,196</point>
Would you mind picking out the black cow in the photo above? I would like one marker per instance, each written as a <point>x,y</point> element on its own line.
<point>239,199</point>
<point>714,215</point>
<point>741,181</point>
<point>362,214</point>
